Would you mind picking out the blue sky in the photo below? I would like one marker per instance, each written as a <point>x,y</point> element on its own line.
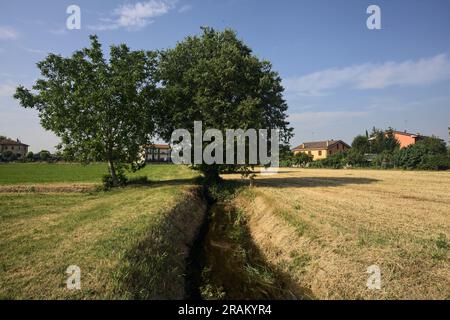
<point>340,77</point>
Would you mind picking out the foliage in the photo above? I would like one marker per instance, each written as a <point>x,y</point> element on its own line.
<point>29,156</point>
<point>301,159</point>
<point>8,156</point>
<point>361,144</point>
<point>383,140</point>
<point>335,161</point>
<point>216,78</point>
<point>384,159</point>
<point>102,110</point>
<point>356,158</point>
<point>44,155</point>
<point>108,182</point>
<point>427,154</point>
<point>288,159</point>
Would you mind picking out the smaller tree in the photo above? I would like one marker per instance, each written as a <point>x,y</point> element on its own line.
<point>29,156</point>
<point>355,157</point>
<point>390,142</point>
<point>361,144</point>
<point>102,110</point>
<point>381,140</point>
<point>301,159</point>
<point>44,155</point>
<point>433,145</point>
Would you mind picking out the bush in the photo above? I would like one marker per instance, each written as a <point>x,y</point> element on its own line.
<point>356,158</point>
<point>335,161</point>
<point>44,155</point>
<point>290,160</point>
<point>435,162</point>
<point>8,156</point>
<point>108,181</point>
<point>29,156</point>
<point>428,154</point>
<point>384,160</point>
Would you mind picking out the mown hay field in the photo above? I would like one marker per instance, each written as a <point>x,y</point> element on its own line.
<point>126,242</point>
<point>324,228</point>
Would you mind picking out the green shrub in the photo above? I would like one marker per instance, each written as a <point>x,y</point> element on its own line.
<point>335,161</point>
<point>384,160</point>
<point>8,156</point>
<point>427,154</point>
<point>44,155</point>
<point>108,181</point>
<point>435,162</point>
<point>29,156</point>
<point>355,158</point>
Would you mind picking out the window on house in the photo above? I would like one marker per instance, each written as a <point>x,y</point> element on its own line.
<point>320,152</point>
<point>309,152</point>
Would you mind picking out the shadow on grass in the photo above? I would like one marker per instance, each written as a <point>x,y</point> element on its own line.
<point>292,182</point>
<point>143,181</point>
<point>235,268</point>
<point>155,267</point>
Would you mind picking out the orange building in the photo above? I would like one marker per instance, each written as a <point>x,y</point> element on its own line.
<point>405,139</point>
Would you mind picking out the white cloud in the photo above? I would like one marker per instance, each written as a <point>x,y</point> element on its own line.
<point>36,51</point>
<point>135,16</point>
<point>372,76</point>
<point>58,31</point>
<point>7,90</point>
<point>185,8</point>
<point>7,33</point>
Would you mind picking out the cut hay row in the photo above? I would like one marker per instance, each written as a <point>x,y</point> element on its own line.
<point>324,228</point>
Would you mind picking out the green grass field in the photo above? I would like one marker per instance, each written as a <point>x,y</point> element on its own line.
<point>122,240</point>
<point>31,173</point>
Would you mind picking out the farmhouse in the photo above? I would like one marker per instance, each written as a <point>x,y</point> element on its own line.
<point>158,153</point>
<point>15,146</point>
<point>321,149</point>
<point>405,139</point>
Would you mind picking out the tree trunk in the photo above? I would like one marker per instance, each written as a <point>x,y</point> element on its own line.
<point>112,172</point>
<point>211,173</point>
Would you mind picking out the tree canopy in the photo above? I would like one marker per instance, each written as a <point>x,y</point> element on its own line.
<point>102,110</point>
<point>381,140</point>
<point>215,78</point>
<point>361,144</point>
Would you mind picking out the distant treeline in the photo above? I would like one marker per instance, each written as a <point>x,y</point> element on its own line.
<point>43,155</point>
<point>380,149</point>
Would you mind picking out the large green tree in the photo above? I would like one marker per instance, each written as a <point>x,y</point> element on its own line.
<point>215,78</point>
<point>101,109</point>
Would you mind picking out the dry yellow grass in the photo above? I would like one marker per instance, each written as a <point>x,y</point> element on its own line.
<point>324,228</point>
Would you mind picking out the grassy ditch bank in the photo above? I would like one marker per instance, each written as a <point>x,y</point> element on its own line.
<point>232,266</point>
